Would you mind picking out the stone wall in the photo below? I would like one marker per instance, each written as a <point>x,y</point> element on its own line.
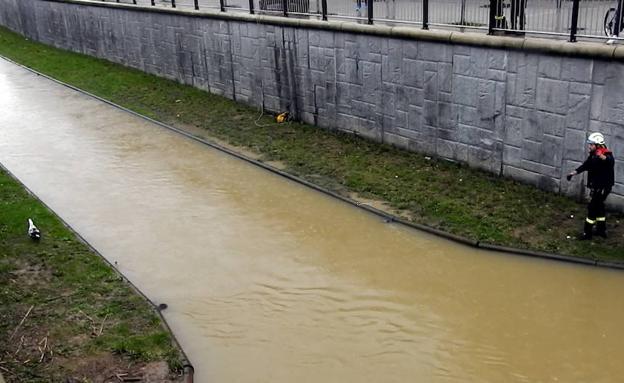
<point>509,106</point>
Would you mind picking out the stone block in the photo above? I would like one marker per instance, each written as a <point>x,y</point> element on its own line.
<point>463,50</point>
<point>580,88</point>
<point>496,75</point>
<point>396,140</point>
<point>518,173</point>
<point>552,95</point>
<point>599,72</point>
<point>314,37</point>
<point>392,69</point>
<point>597,97</point>
<point>577,70</point>
<point>523,85</point>
<point>574,145</point>
<point>512,156</point>
<point>469,135</point>
<point>351,49</point>
<point>352,71</point>
<point>411,134</point>
<point>414,118</point>
<point>551,151</point>
<point>445,77</point>
<point>413,73</point>
<point>430,66</point>
<point>468,115</point>
<point>445,97</point>
<point>484,159</point>
<point>613,99</point>
<point>410,49</point>
<point>475,65</point>
<point>579,108</point>
<point>550,67</point>
<point>452,150</point>
<point>486,103</point>
<point>542,169</point>
<point>549,123</point>
<point>414,96</point>
<point>616,198</point>
<point>371,74</point>
<point>431,85</point>
<point>431,113</point>
<point>447,115</point>
<point>497,59</point>
<point>465,90</point>
<point>436,52</point>
<point>401,119</point>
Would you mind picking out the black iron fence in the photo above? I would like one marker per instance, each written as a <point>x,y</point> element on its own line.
<point>570,19</point>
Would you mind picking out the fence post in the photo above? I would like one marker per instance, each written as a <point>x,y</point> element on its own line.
<point>324,9</point>
<point>285,7</point>
<point>173,4</point>
<point>574,25</point>
<point>153,3</point>
<point>222,5</point>
<point>425,14</point>
<point>251,7</point>
<point>369,7</point>
<point>134,2</point>
<point>197,5</point>
<point>492,17</point>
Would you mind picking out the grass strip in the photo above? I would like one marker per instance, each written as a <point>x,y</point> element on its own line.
<point>65,315</point>
<point>438,193</point>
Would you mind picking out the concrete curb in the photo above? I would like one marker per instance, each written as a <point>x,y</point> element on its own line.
<point>389,218</point>
<point>526,44</point>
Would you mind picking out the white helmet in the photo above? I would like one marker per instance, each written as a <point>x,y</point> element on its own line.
<point>596,139</point>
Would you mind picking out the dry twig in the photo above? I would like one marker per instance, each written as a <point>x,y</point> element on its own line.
<point>7,370</point>
<point>45,348</point>
<point>60,297</point>
<point>22,321</point>
<point>88,317</point>
<point>102,325</point>
<point>19,348</point>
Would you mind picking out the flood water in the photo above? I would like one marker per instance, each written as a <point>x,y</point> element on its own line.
<point>268,281</point>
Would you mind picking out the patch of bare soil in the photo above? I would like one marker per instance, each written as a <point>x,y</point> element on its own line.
<point>382,206</point>
<point>115,369</point>
<point>201,133</point>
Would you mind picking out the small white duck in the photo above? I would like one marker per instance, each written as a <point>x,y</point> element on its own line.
<point>33,232</point>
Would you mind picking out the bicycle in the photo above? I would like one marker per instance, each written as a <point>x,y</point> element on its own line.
<point>609,22</point>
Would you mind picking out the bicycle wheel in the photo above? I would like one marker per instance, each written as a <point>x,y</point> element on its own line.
<point>609,22</point>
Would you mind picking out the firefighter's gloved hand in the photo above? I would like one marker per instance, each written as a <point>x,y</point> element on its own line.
<point>569,177</point>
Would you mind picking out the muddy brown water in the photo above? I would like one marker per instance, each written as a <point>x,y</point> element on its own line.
<point>268,281</point>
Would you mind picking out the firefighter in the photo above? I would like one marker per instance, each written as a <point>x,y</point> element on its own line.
<point>600,178</point>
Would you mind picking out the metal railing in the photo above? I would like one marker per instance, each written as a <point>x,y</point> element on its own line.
<point>570,19</point>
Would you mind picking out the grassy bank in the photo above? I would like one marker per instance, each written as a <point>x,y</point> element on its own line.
<point>65,315</point>
<point>437,193</point>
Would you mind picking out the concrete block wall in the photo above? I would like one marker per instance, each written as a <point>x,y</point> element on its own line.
<point>520,113</point>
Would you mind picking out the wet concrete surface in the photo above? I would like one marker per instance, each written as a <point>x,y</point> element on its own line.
<point>269,281</point>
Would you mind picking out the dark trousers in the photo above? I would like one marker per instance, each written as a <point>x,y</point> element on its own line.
<point>618,20</point>
<point>517,14</point>
<point>596,207</point>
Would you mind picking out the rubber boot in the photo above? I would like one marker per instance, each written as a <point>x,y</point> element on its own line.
<point>601,229</point>
<point>587,232</point>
